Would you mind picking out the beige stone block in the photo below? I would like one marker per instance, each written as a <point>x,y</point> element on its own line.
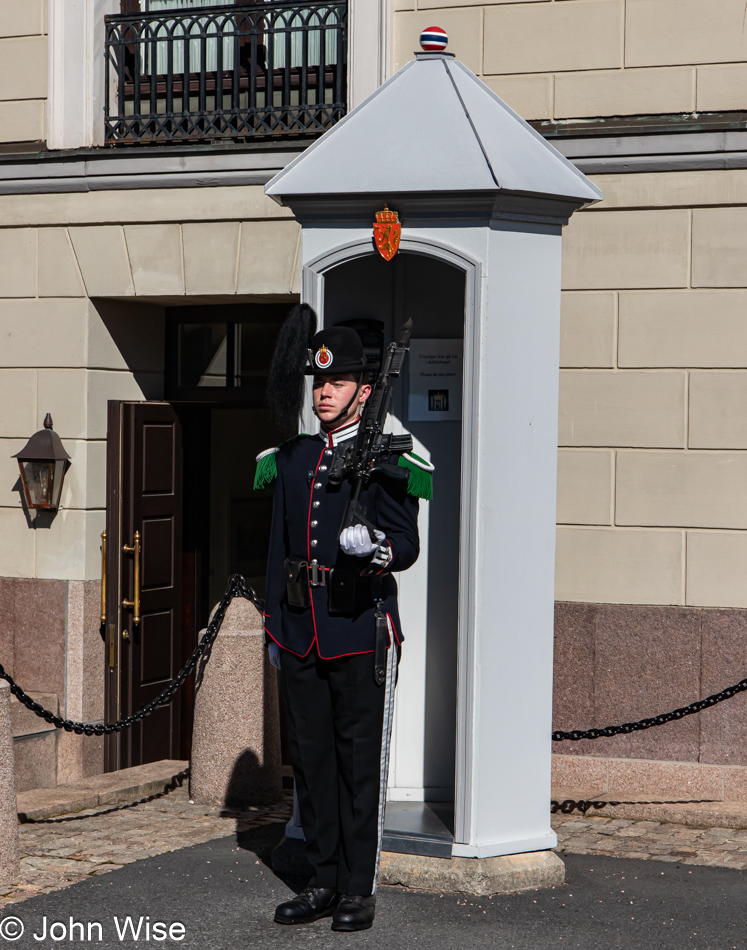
<point>23,120</point>
<point>155,258</point>
<point>628,409</point>
<point>85,481</point>
<point>626,249</point>
<point>267,257</point>
<point>69,549</point>
<point>20,17</point>
<point>672,780</point>
<point>683,328</point>
<point>464,27</point>
<point>587,329</point>
<point>624,92</point>
<point>400,5</point>
<point>10,484</point>
<point>722,88</point>
<point>716,568</point>
<point>579,771</point>
<point>62,392</point>
<point>585,486</point>
<point>17,403</point>
<point>103,260</point>
<point>551,37</point>
<point>126,335</point>
<point>668,32</point>
<point>619,566</point>
<point>210,257</point>
<point>530,96</point>
<point>43,332</point>
<point>59,275</point>
<point>718,411</point>
<point>682,489</point>
<point>23,67</point>
<point>17,549</point>
<point>18,262</point>
<point>229,203</point>
<point>439,4</point>
<point>77,398</point>
<point>672,189</point>
<point>102,386</point>
<point>719,248</point>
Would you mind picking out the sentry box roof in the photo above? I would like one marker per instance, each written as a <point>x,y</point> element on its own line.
<point>433,128</point>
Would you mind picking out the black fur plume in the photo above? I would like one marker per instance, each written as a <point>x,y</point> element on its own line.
<point>285,383</point>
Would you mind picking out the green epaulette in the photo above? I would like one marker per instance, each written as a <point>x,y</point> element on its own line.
<point>420,482</point>
<point>267,470</point>
<point>267,466</point>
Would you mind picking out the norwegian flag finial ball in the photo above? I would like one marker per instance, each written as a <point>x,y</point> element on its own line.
<point>433,39</point>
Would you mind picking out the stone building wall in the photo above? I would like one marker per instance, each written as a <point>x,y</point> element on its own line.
<point>23,70</point>
<point>562,59</point>
<point>84,279</point>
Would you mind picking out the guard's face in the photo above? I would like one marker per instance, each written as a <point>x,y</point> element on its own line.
<point>333,393</point>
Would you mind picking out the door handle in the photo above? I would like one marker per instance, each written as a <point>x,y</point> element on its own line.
<point>134,549</point>
<point>103,578</point>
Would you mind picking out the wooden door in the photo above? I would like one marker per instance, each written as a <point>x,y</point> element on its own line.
<point>144,548</point>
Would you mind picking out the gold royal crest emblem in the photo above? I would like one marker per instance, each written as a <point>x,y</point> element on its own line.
<point>387,232</point>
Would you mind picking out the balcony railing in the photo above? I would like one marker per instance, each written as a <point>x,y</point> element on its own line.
<point>242,72</point>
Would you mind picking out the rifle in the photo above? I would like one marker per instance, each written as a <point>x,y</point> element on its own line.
<point>362,462</point>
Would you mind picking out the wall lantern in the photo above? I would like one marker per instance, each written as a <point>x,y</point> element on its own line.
<point>43,463</point>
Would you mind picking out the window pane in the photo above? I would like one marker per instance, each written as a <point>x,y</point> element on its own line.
<point>202,354</point>
<point>255,343</point>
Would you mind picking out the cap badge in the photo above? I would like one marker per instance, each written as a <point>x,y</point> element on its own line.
<point>387,232</point>
<point>323,358</point>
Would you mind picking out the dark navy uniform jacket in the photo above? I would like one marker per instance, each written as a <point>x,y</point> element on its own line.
<point>306,519</point>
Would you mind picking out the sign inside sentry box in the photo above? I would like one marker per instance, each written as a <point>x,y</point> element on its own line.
<point>435,380</point>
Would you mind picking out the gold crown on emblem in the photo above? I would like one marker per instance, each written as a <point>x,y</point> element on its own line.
<point>386,216</point>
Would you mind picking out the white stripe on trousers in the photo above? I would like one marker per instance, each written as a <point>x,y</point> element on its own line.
<point>386,736</point>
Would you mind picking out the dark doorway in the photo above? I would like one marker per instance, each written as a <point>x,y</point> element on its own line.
<point>205,438</point>
<point>432,292</point>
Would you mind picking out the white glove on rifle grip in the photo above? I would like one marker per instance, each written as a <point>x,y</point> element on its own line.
<point>356,540</point>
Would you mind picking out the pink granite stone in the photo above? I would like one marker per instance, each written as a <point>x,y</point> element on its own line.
<point>573,675</point>
<point>36,761</point>
<point>647,661</point>
<point>9,866</point>
<point>723,729</point>
<point>38,622</point>
<point>236,738</point>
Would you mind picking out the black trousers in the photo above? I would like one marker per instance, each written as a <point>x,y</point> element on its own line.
<point>339,725</point>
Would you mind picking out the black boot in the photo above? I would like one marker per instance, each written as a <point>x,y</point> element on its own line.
<point>354,912</point>
<point>311,904</point>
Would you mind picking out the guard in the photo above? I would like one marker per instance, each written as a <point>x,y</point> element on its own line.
<point>331,618</point>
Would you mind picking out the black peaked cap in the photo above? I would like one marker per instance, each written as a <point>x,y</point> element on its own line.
<point>336,350</point>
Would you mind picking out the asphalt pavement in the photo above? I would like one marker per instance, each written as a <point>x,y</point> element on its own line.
<point>220,895</point>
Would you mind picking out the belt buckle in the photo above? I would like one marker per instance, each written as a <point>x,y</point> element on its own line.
<point>317,575</point>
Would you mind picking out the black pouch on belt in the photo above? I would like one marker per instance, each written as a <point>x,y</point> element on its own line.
<point>297,582</point>
<point>341,592</point>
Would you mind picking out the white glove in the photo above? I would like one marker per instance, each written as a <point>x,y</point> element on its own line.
<point>274,650</point>
<point>356,540</point>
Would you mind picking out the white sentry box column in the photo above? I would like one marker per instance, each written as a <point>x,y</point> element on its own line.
<point>481,191</point>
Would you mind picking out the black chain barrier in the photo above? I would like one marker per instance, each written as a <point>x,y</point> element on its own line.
<point>237,587</point>
<point>628,727</point>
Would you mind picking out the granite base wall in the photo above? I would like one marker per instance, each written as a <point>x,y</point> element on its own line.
<point>617,663</point>
<point>51,645</point>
